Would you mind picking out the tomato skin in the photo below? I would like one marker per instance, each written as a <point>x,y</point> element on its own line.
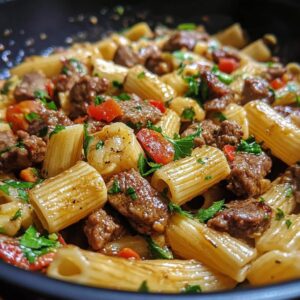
<point>29,175</point>
<point>158,148</point>
<point>227,65</point>
<point>50,89</point>
<point>230,152</point>
<point>80,120</point>
<point>128,253</point>
<point>277,83</point>
<point>158,104</point>
<point>106,111</point>
<point>15,114</point>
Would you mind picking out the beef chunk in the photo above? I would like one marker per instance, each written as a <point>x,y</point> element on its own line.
<point>230,133</point>
<point>225,53</point>
<point>125,56</point>
<point>199,141</point>
<point>101,228</point>
<point>84,92</point>
<point>20,151</point>
<point>184,39</point>
<point>256,88</point>
<point>243,219</point>
<point>138,112</point>
<point>139,202</point>
<point>30,83</point>
<point>247,173</point>
<point>218,104</point>
<point>94,126</point>
<point>292,176</point>
<point>274,71</point>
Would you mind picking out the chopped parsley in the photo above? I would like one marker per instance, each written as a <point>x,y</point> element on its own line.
<point>201,161</point>
<point>279,214</point>
<point>204,214</point>
<point>43,97</point>
<point>220,116</point>
<point>143,287</point>
<point>116,84</point>
<point>115,188</point>
<point>87,139</point>
<point>131,193</point>
<point>175,208</point>
<point>289,191</point>
<point>147,167</point>
<point>99,145</point>
<point>2,230</point>
<point>20,186</point>
<point>187,26</point>
<point>249,146</point>
<point>184,146</point>
<point>17,215</point>
<point>119,10</point>
<point>191,289</point>
<point>193,83</point>
<point>188,113</point>
<point>138,107</point>
<point>157,252</point>
<point>76,64</point>
<point>181,55</point>
<point>223,77</point>
<point>34,245</point>
<point>99,100</point>
<point>288,223</point>
<point>57,129</point>
<point>6,87</point>
<point>208,177</point>
<point>261,199</point>
<point>32,116</point>
<point>18,144</point>
<point>122,97</point>
<point>153,127</point>
<point>141,75</point>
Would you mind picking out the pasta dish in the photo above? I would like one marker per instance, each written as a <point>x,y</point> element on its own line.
<point>155,160</point>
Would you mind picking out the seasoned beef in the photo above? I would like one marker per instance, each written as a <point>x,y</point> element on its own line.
<point>184,39</point>
<point>126,56</point>
<point>274,71</point>
<point>247,173</point>
<point>243,218</point>
<point>292,176</point>
<point>225,53</point>
<point>218,104</point>
<point>73,66</point>
<point>101,228</point>
<point>30,83</point>
<point>192,129</point>
<point>139,202</point>
<point>84,92</point>
<point>20,151</point>
<point>138,112</point>
<point>94,126</point>
<point>230,133</point>
<point>256,88</point>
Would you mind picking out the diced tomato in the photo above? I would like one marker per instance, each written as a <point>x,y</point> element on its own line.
<point>227,65</point>
<point>158,104</point>
<point>80,120</point>
<point>128,253</point>
<point>230,152</point>
<point>106,111</point>
<point>29,175</point>
<point>50,88</point>
<point>157,147</point>
<point>15,114</point>
<point>277,83</point>
<point>61,239</point>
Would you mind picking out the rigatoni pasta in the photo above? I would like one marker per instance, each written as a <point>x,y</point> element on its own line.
<point>169,123</point>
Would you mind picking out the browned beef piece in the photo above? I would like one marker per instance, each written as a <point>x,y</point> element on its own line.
<point>101,228</point>
<point>225,53</point>
<point>274,71</point>
<point>292,176</point>
<point>139,202</point>
<point>184,39</point>
<point>218,104</point>
<point>30,83</point>
<point>230,133</point>
<point>84,92</point>
<point>243,218</point>
<point>247,172</point>
<point>192,129</point>
<point>255,89</point>
<point>94,126</point>
<point>20,151</point>
<point>125,56</point>
<point>137,112</point>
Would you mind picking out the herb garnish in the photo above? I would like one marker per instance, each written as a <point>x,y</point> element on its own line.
<point>220,116</point>
<point>115,188</point>
<point>188,113</point>
<point>32,116</point>
<point>175,208</point>
<point>187,26</point>
<point>147,167</point>
<point>279,214</point>
<point>57,129</point>
<point>143,287</point>
<point>20,186</point>
<point>17,215</point>
<point>99,100</point>
<point>43,97</point>
<point>191,289</point>
<point>131,193</point>
<point>122,97</point>
<point>116,84</point>
<point>153,127</point>
<point>6,87</point>
<point>87,139</point>
<point>223,77</point>
<point>204,214</point>
<point>250,146</point>
<point>289,191</point>
<point>182,56</point>
<point>99,145</point>
<point>157,252</point>
<point>288,223</point>
<point>141,75</point>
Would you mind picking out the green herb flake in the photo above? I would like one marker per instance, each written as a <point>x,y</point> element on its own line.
<point>188,114</point>
<point>223,77</point>
<point>131,193</point>
<point>261,200</point>
<point>201,161</point>
<point>2,230</point>
<point>187,26</point>
<point>147,167</point>
<point>119,10</point>
<point>204,214</point>
<point>87,139</point>
<point>143,287</point>
<point>115,188</point>
<point>6,87</point>
<point>289,192</point>
<point>192,289</point>
<point>58,128</point>
<point>157,252</point>
<point>153,127</point>
<point>122,97</point>
<point>99,100</point>
<point>193,83</point>
<point>249,146</point>
<point>182,56</point>
<point>208,177</point>
<point>99,145</point>
<point>174,208</point>
<point>220,116</point>
<point>138,107</point>
<point>21,188</point>
<point>30,117</point>
<point>279,214</point>
<point>288,223</point>
<point>17,215</point>
<point>116,84</point>
<point>141,75</point>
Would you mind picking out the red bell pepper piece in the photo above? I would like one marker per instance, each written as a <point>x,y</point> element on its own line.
<point>227,65</point>
<point>230,152</point>
<point>128,253</point>
<point>158,104</point>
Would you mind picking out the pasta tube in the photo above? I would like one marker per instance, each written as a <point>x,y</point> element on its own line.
<point>119,149</point>
<point>175,81</point>
<point>258,51</point>
<point>138,31</point>
<point>277,133</point>
<point>107,49</point>
<point>63,151</point>
<point>275,266</point>
<point>192,240</point>
<point>68,197</point>
<point>76,265</point>
<point>288,94</point>
<point>191,176</point>
<point>147,85</point>
<point>169,123</point>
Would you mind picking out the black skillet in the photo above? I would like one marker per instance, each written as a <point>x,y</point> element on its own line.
<point>31,27</point>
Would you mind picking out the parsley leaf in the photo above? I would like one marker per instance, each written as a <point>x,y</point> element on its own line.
<point>204,214</point>
<point>288,223</point>
<point>122,97</point>
<point>21,188</point>
<point>119,10</point>
<point>188,113</point>
<point>289,191</point>
<point>6,87</point>
<point>57,129</point>
<point>181,55</point>
<point>175,208</point>
<point>249,146</point>
<point>191,289</point>
<point>99,145</point>
<point>201,161</point>
<point>116,84</point>
<point>144,164</point>
<point>115,188</point>
<point>34,245</point>
<point>131,193</point>
<point>141,75</point>
<point>32,116</point>
<point>76,64</point>
<point>157,252</point>
<point>143,287</point>
<point>43,97</point>
<point>87,139</point>
<point>208,177</point>
<point>279,214</point>
<point>153,127</point>
<point>17,215</point>
<point>220,116</point>
<point>187,26</point>
<point>98,100</point>
<point>223,77</point>
<point>193,82</point>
